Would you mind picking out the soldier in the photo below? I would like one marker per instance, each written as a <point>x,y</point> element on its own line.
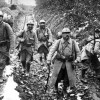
<point>28,44</point>
<point>6,44</point>
<point>89,55</point>
<point>44,36</point>
<point>8,19</point>
<point>67,51</point>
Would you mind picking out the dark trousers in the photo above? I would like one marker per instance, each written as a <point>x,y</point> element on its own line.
<point>62,76</point>
<point>25,59</point>
<point>43,50</point>
<point>3,59</point>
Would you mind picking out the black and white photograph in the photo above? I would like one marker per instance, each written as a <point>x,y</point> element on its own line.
<point>49,49</point>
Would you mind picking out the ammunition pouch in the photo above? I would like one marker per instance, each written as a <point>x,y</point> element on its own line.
<point>43,39</point>
<point>68,58</point>
<point>28,44</point>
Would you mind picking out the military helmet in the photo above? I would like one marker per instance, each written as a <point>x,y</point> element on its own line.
<point>1,14</point>
<point>42,21</point>
<point>66,30</point>
<point>30,22</point>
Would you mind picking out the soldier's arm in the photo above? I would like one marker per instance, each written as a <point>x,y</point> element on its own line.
<point>53,49</point>
<point>36,41</point>
<point>20,35</point>
<point>78,52</point>
<point>11,36</point>
<point>50,36</point>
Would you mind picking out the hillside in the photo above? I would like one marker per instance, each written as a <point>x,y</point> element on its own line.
<point>71,13</point>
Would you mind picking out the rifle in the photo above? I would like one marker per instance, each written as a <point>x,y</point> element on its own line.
<point>24,23</point>
<point>19,45</point>
<point>46,86</point>
<point>94,40</point>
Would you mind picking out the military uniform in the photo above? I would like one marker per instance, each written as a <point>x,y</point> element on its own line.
<point>27,46</point>
<point>64,49</point>
<point>89,53</point>
<point>6,43</point>
<point>44,38</point>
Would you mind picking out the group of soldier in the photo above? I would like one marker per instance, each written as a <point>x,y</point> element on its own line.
<point>60,53</point>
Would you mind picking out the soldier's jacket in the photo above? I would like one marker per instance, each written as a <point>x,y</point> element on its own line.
<point>63,48</point>
<point>89,47</point>
<point>30,40</point>
<point>43,36</point>
<point>6,34</point>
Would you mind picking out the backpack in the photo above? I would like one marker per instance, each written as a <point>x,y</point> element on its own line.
<point>45,36</point>
<point>6,35</point>
<point>74,55</point>
<point>73,50</point>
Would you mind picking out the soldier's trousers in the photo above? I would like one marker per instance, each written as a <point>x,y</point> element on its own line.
<point>25,59</point>
<point>43,50</point>
<point>62,76</point>
<point>3,59</point>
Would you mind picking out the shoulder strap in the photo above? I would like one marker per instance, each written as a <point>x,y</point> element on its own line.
<point>37,33</point>
<point>5,33</point>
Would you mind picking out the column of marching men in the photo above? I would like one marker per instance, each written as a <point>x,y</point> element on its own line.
<point>61,53</point>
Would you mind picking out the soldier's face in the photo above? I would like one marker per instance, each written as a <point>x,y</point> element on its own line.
<point>1,18</point>
<point>42,25</point>
<point>66,35</point>
<point>30,27</point>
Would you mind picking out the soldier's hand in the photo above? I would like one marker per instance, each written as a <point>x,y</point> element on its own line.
<point>22,40</point>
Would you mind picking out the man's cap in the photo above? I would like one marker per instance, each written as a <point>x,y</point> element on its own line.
<point>66,30</point>
<point>30,22</point>
<point>42,21</point>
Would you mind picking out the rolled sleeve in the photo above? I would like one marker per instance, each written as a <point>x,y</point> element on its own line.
<point>50,36</point>
<point>53,50</point>
<point>11,36</point>
<point>36,41</point>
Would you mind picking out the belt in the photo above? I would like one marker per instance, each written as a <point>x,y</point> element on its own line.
<point>70,59</point>
<point>62,60</point>
<point>28,45</point>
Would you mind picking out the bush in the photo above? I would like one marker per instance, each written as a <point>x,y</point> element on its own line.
<point>13,7</point>
<point>3,4</point>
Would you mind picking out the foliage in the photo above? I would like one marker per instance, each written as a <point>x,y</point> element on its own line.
<point>69,13</point>
<point>13,7</point>
<point>3,4</point>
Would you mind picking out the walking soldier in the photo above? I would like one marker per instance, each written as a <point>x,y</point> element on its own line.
<point>28,44</point>
<point>6,44</point>
<point>44,36</point>
<point>67,51</point>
